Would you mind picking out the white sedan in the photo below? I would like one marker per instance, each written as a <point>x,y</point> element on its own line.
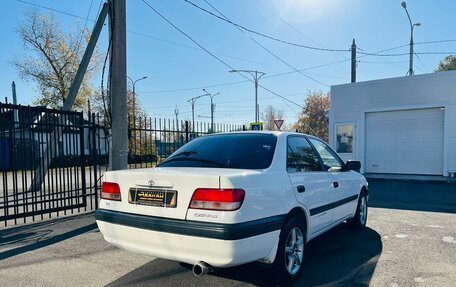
<point>227,199</point>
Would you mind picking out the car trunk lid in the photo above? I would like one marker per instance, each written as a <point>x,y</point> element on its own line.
<point>148,191</point>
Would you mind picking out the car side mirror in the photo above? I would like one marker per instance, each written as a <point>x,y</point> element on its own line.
<point>354,165</point>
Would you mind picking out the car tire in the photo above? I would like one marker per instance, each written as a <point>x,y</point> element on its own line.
<point>359,221</point>
<point>289,259</point>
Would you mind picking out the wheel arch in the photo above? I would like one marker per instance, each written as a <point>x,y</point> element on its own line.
<point>299,212</point>
<point>364,190</point>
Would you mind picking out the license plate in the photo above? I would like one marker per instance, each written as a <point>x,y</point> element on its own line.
<point>153,197</point>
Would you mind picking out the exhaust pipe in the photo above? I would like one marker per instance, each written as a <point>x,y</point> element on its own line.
<point>201,268</point>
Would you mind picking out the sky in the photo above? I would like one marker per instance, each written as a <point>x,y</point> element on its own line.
<point>177,69</point>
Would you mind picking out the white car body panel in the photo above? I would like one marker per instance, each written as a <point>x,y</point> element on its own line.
<point>269,194</point>
<point>318,193</point>
<point>190,249</point>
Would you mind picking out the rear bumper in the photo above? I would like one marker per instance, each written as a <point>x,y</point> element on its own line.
<point>220,245</point>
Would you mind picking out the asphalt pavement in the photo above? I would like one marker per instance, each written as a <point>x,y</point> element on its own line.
<point>410,241</point>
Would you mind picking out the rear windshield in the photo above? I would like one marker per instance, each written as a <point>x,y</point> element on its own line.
<point>240,151</point>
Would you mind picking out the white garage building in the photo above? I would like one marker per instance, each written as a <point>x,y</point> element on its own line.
<point>403,125</point>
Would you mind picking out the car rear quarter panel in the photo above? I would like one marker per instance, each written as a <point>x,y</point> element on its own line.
<point>266,194</point>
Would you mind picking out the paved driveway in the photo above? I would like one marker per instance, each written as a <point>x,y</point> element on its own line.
<point>411,241</point>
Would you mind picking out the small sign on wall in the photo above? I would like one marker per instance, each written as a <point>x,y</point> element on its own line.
<point>344,138</point>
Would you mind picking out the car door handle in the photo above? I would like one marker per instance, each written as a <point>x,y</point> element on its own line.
<point>335,184</point>
<point>301,188</point>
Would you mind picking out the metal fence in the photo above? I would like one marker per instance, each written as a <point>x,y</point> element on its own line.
<point>52,161</point>
<point>153,140</point>
<point>45,173</point>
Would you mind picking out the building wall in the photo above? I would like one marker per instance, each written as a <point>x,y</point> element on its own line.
<point>351,102</point>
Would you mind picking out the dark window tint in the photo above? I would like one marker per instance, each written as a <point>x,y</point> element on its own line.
<point>301,156</point>
<point>330,159</point>
<point>241,151</point>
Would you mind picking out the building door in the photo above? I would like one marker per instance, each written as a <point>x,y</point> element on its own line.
<point>405,142</point>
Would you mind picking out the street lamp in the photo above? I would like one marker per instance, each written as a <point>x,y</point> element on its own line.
<point>212,108</point>
<point>410,71</point>
<point>256,78</point>
<point>176,112</point>
<point>192,101</point>
<point>134,91</point>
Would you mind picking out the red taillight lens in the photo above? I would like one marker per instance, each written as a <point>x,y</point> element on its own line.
<point>217,199</point>
<point>110,191</point>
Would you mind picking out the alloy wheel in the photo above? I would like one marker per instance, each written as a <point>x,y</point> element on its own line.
<point>294,250</point>
<point>363,211</point>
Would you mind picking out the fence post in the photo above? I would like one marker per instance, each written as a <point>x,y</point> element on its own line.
<point>82,158</point>
<point>186,131</point>
<point>93,150</point>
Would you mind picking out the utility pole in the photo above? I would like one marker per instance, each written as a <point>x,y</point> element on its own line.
<point>212,108</point>
<point>192,101</point>
<point>119,138</point>
<point>256,77</point>
<point>13,87</point>
<point>353,62</point>
<point>410,71</point>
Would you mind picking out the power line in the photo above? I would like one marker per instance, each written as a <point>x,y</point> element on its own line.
<point>244,81</point>
<point>309,68</point>
<point>175,43</point>
<point>304,69</point>
<point>296,30</point>
<point>136,33</point>
<point>85,26</point>
<point>211,54</point>
<point>266,49</point>
<point>191,47</point>
<point>225,19</point>
<point>436,41</point>
<point>183,45</point>
<point>374,62</point>
<point>406,54</point>
<point>54,10</point>
<point>195,88</point>
<point>241,59</point>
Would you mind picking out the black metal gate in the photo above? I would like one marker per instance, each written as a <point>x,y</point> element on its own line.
<point>52,161</point>
<point>44,175</point>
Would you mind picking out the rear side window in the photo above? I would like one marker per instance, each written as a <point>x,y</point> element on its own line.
<point>301,156</point>
<point>239,151</point>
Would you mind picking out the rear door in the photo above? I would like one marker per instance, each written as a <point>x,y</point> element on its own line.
<point>312,186</point>
<point>344,191</point>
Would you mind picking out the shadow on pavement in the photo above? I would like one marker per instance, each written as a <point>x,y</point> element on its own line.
<point>340,257</point>
<point>45,242</point>
<point>21,239</point>
<point>419,196</point>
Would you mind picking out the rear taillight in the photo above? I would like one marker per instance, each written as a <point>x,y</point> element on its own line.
<point>110,191</point>
<point>217,199</point>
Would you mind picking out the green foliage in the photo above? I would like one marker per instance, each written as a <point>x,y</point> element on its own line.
<point>447,64</point>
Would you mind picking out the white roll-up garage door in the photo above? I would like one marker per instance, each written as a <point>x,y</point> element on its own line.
<point>405,142</point>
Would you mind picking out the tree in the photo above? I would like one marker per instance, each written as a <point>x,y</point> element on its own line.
<point>269,115</point>
<point>313,118</point>
<point>51,59</point>
<point>447,64</point>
